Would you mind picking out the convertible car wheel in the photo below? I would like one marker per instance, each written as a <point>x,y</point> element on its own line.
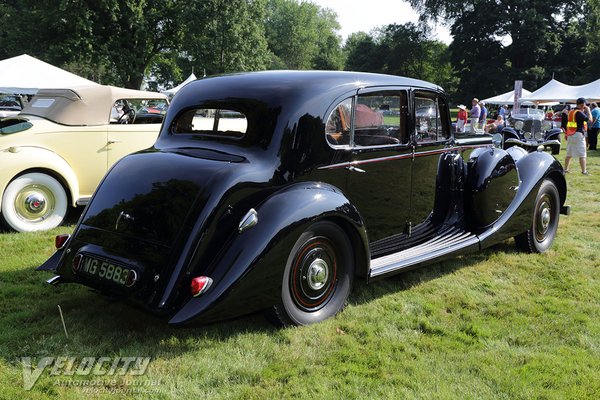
<point>34,202</point>
<point>541,234</point>
<point>318,276</point>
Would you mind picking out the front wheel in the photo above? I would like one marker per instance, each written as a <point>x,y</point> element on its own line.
<point>34,202</point>
<point>318,276</point>
<point>540,235</point>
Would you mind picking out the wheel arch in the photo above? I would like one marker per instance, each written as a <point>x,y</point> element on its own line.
<point>36,159</point>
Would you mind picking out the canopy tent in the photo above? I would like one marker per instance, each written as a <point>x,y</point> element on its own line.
<point>26,75</point>
<point>506,98</point>
<point>171,92</point>
<point>558,91</point>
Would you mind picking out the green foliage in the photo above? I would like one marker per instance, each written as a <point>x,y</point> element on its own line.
<point>405,50</point>
<point>301,35</point>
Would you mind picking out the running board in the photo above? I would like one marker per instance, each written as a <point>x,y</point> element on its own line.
<point>446,242</point>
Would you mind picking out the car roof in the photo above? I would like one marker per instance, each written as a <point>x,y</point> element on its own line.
<point>254,83</point>
<point>84,105</point>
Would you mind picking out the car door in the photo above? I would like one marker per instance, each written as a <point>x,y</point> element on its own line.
<point>133,127</point>
<point>378,181</point>
<point>431,138</point>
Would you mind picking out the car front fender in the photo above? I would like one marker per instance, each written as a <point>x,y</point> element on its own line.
<point>533,168</point>
<point>247,274</point>
<point>19,159</point>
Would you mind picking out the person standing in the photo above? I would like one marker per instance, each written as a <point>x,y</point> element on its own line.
<point>475,112</point>
<point>575,132</point>
<point>593,133</point>
<point>461,118</point>
<point>482,115</point>
<point>502,111</point>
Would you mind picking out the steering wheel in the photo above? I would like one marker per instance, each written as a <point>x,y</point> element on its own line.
<point>129,113</point>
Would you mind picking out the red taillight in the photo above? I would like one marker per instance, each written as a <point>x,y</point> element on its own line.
<point>77,262</point>
<point>60,241</point>
<point>200,285</point>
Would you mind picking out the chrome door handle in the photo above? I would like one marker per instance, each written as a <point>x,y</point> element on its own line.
<point>114,141</point>
<point>355,169</point>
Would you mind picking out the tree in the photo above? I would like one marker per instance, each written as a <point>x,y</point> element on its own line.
<point>226,35</point>
<point>302,36</point>
<point>406,50</point>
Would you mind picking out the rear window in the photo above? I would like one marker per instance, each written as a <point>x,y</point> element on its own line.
<point>212,122</point>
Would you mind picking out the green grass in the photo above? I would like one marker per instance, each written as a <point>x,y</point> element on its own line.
<point>497,324</point>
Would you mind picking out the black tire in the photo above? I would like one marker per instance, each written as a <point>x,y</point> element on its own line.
<point>318,277</point>
<point>540,235</point>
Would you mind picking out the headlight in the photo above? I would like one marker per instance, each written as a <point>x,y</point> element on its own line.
<point>539,135</point>
<point>527,135</point>
<point>519,125</point>
<point>546,125</point>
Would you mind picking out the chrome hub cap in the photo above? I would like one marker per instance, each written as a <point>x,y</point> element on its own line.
<point>545,218</point>
<point>317,274</point>
<point>34,203</point>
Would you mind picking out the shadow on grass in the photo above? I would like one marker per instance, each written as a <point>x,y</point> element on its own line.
<point>98,325</point>
<point>425,273</point>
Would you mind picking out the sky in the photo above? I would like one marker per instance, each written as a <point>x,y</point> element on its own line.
<point>364,15</point>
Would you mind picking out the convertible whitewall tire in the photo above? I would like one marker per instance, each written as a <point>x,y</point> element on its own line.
<point>34,202</point>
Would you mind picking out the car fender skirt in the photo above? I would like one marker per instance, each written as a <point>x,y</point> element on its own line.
<point>248,272</point>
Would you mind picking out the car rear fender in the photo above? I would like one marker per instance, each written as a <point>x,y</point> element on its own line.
<point>248,271</point>
<point>18,160</point>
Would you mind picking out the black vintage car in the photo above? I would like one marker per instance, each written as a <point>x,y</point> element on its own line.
<point>529,129</point>
<point>279,190</point>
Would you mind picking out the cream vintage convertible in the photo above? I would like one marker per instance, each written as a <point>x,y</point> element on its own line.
<point>56,151</point>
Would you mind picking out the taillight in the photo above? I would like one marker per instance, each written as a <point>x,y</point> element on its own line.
<point>200,285</point>
<point>60,241</point>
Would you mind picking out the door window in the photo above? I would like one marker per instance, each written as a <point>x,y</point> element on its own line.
<point>379,119</point>
<point>429,126</point>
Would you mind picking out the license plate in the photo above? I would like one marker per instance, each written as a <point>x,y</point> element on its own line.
<point>107,271</point>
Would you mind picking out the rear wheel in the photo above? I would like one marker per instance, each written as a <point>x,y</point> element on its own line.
<point>34,202</point>
<point>540,235</point>
<point>318,276</point>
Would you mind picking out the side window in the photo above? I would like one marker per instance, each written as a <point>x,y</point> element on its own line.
<point>337,128</point>
<point>212,122</point>
<point>429,126</point>
<point>136,111</point>
<point>380,119</point>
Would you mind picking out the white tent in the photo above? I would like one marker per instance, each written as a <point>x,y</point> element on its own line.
<point>26,75</point>
<point>506,98</point>
<point>558,91</point>
<point>171,92</point>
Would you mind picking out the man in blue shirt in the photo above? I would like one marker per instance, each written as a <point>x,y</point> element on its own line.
<point>482,115</point>
<point>593,133</point>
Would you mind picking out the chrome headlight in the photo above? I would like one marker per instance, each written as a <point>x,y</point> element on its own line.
<point>546,125</point>
<point>539,135</point>
<point>527,135</point>
<point>519,125</point>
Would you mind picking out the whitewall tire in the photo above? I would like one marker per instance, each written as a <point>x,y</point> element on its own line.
<point>34,202</point>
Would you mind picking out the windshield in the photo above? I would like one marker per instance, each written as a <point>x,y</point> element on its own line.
<point>10,102</point>
<point>528,113</point>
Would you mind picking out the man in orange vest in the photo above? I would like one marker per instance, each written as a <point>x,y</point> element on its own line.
<point>575,134</point>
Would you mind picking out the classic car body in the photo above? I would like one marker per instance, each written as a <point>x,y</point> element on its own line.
<point>300,184</point>
<point>529,129</point>
<point>56,151</point>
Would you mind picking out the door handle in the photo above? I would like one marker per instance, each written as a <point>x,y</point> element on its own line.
<point>114,141</point>
<point>352,168</point>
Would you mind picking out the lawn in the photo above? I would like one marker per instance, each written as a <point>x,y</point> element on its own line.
<point>498,324</point>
